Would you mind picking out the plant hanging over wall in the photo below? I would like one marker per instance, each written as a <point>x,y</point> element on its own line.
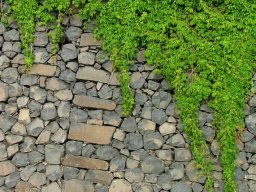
<point>204,48</point>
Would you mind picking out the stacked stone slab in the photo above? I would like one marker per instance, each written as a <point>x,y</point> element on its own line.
<point>62,129</point>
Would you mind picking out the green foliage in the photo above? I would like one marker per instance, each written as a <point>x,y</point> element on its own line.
<point>27,12</point>
<point>46,14</point>
<point>205,49</point>
<point>24,13</point>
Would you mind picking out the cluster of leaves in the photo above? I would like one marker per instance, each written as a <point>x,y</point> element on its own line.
<point>28,12</point>
<point>205,49</point>
<point>46,14</point>
<point>24,13</point>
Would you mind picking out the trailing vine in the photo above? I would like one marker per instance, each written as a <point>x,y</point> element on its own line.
<point>24,13</point>
<point>204,48</point>
<point>27,12</point>
<point>46,14</point>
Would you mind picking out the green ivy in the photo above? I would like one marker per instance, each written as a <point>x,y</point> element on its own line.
<point>46,14</point>
<point>28,12</point>
<point>24,13</point>
<point>204,48</point>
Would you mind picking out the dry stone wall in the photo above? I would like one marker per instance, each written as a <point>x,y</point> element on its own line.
<point>62,129</point>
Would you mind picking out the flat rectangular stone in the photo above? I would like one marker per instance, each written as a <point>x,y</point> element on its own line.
<point>41,69</point>
<point>84,162</point>
<point>93,102</point>
<point>91,133</point>
<point>92,74</point>
<point>98,176</point>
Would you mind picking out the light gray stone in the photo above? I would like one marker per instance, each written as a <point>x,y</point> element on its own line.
<point>146,126</point>
<point>48,112</point>
<point>250,122</point>
<point>78,115</point>
<point>165,182</point>
<point>106,152</point>
<point>53,153</point>
<point>4,62</point>
<point>140,98</point>
<point>92,74</point>
<point>27,172</point>
<point>35,127</point>
<point>105,92</point>
<point>68,75</point>
<point>6,122</point>
<point>73,33</point>
<point>137,80</point>
<point>3,92</point>
<point>64,109</point>
<point>76,20</point>
<point>15,90</point>
<point>161,99</point>
<point>12,35</point>
<point>9,75</point>
<point>41,40</point>
<point>133,141</point>
<point>88,150</point>
<point>182,154</point>
<point>54,172</point>
<point>12,179</point>
<point>167,128</point>
<point>68,52</point>
<point>86,58</point>
<point>111,118</point>
<point>20,159</point>
<point>177,171</point>
<point>74,147</point>
<point>120,185</point>
<point>3,152</point>
<point>59,136</point>
<point>152,165</point>
<point>77,186</point>
<point>41,56</point>
<point>35,157</point>
<point>153,140</point>
<point>6,168</point>
<point>52,187</point>
<point>2,28</point>
<point>176,140</point>
<point>129,124</point>
<point>29,80</point>
<point>37,179</point>
<point>70,172</point>
<point>159,116</point>
<point>134,175</point>
<point>98,176</point>
<point>181,187</point>
<point>164,154</point>
<point>55,84</point>
<point>117,163</point>
<point>101,57</point>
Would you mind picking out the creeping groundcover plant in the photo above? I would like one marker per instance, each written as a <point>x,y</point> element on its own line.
<point>206,49</point>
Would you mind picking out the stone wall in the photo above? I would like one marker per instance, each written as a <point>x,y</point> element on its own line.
<point>62,129</point>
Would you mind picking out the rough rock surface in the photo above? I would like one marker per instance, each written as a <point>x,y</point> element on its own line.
<point>62,129</point>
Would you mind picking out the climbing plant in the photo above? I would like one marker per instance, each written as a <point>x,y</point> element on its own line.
<point>46,15</point>
<point>24,13</point>
<point>28,12</point>
<point>204,48</point>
